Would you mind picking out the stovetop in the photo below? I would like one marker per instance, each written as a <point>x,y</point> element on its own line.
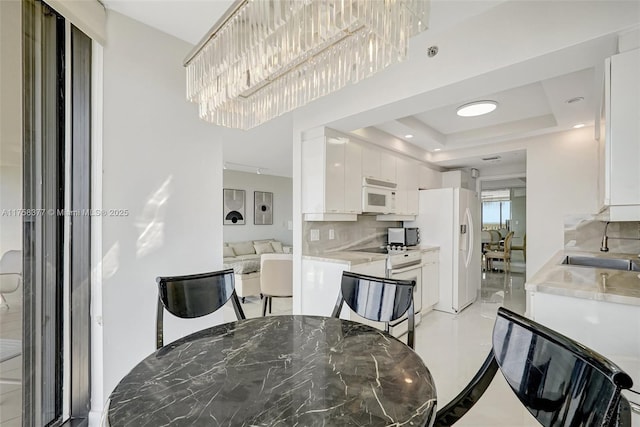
<point>377,250</point>
<point>386,249</point>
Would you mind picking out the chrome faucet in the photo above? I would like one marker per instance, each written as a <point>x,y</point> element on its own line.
<point>604,246</point>
<point>605,240</point>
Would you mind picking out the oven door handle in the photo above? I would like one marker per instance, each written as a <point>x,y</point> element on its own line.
<point>405,269</point>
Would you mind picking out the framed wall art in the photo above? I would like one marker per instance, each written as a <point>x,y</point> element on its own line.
<point>233,207</point>
<point>263,208</point>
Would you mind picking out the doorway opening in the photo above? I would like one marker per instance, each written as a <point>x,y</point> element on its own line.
<point>504,233</point>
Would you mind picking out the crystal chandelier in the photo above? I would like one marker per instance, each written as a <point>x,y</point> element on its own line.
<point>264,58</point>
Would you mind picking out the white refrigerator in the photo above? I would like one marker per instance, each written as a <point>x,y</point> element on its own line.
<point>450,218</point>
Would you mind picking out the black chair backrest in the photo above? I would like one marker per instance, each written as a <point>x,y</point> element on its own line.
<point>377,298</point>
<point>561,382</point>
<point>194,296</point>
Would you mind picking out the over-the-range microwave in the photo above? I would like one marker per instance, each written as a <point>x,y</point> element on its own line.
<point>378,196</point>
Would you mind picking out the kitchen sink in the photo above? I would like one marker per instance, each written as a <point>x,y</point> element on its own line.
<point>611,263</point>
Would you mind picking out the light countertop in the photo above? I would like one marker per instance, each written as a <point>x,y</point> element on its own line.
<point>600,284</point>
<point>356,257</point>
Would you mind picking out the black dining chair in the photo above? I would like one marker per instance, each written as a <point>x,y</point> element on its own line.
<point>560,382</point>
<point>378,299</point>
<point>194,296</point>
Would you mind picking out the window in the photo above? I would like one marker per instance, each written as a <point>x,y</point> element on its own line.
<point>496,209</point>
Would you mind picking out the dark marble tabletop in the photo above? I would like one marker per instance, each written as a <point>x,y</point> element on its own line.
<point>278,371</point>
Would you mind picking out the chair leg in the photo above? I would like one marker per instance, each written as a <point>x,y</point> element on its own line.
<point>270,304</point>
<point>460,405</point>
<point>264,305</point>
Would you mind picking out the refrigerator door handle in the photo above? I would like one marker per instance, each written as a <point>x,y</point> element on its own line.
<point>469,237</point>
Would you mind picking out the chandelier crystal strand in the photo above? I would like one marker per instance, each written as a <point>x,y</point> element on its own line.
<point>273,56</point>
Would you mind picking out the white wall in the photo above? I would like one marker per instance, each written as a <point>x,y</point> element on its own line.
<point>164,165</point>
<point>282,189</point>
<point>10,124</point>
<point>562,179</point>
<point>518,217</point>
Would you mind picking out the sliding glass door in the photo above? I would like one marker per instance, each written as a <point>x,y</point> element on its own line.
<point>56,183</point>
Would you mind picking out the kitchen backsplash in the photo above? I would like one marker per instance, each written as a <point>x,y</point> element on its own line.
<point>364,233</point>
<point>585,233</point>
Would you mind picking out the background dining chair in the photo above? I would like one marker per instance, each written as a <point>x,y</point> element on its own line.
<point>522,248</point>
<point>276,278</point>
<point>378,299</point>
<point>559,381</point>
<point>503,254</point>
<point>494,244</point>
<point>10,274</point>
<point>194,296</point>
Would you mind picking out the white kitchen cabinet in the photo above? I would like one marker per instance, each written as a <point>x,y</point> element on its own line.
<point>430,280</point>
<point>429,178</point>
<point>353,178</point>
<point>407,180</point>
<point>374,268</point>
<point>413,182</point>
<point>401,192</point>
<point>378,163</point>
<point>622,141</point>
<point>388,166</point>
<point>371,158</point>
<point>331,180</point>
<point>321,281</point>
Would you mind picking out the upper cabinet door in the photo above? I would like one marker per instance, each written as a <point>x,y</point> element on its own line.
<point>371,162</point>
<point>334,176</point>
<point>624,129</point>
<point>429,178</point>
<point>353,178</point>
<point>412,184</point>
<point>388,167</point>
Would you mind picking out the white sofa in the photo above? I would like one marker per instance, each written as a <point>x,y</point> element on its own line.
<point>244,258</point>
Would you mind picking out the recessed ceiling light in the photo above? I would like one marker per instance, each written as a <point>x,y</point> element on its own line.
<point>409,136</point>
<point>578,126</point>
<point>437,149</point>
<point>476,108</point>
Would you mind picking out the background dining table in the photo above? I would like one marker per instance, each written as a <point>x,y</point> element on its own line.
<point>278,371</point>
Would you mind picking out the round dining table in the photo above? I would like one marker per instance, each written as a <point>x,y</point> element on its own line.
<point>278,371</point>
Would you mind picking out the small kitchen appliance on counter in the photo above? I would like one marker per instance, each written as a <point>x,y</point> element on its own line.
<point>406,236</point>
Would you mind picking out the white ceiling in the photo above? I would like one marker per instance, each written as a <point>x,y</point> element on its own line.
<point>536,106</point>
<point>188,20</point>
<point>522,111</point>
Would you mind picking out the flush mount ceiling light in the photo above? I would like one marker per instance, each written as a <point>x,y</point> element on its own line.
<point>578,126</point>
<point>408,136</point>
<point>264,58</point>
<point>476,108</point>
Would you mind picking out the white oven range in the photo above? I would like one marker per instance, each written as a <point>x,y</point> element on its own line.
<point>406,265</point>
